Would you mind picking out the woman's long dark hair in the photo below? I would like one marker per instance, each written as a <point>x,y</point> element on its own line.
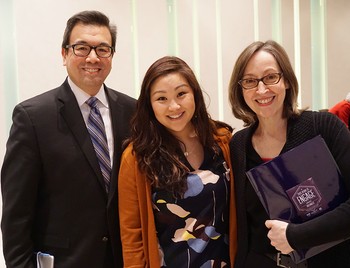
<point>158,152</point>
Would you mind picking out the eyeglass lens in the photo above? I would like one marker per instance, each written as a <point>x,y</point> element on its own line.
<point>269,79</point>
<point>84,50</point>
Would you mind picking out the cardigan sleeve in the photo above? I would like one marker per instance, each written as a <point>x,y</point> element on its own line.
<point>129,213</point>
<point>223,142</point>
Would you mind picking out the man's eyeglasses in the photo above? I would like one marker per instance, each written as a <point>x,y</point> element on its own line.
<point>83,50</point>
<point>270,79</point>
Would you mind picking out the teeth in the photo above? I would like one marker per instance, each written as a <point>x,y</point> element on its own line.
<point>91,70</point>
<point>175,116</point>
<point>264,101</point>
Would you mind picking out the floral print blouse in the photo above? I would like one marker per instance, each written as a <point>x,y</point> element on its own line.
<point>193,230</point>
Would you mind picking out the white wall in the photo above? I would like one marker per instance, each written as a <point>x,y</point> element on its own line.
<point>208,34</point>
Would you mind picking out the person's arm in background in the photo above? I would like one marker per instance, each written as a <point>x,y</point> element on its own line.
<point>342,111</point>
<point>20,176</point>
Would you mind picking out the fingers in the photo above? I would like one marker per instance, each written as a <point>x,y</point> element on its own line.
<point>269,224</point>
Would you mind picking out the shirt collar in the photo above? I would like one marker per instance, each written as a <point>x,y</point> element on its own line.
<point>82,96</point>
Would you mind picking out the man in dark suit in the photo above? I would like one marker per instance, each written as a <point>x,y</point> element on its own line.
<point>55,198</point>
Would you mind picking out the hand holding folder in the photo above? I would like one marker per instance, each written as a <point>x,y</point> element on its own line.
<point>299,185</point>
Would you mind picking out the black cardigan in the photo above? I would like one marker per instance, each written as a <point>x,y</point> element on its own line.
<point>328,227</point>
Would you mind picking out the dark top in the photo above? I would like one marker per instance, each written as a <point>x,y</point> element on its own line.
<point>193,230</point>
<point>251,216</point>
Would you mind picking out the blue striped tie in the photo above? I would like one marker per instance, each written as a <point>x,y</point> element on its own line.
<point>97,132</point>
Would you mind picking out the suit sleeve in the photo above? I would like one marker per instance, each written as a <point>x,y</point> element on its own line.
<point>20,174</point>
<point>129,212</point>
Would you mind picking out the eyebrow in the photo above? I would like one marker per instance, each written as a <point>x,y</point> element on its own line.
<point>267,71</point>
<point>181,85</point>
<point>176,88</point>
<point>82,42</point>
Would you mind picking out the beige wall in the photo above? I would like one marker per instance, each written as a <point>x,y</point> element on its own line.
<point>208,34</point>
<point>338,53</point>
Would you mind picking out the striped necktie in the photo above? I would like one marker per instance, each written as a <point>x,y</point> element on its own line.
<point>97,133</point>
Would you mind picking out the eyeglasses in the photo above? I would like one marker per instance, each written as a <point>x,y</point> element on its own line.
<point>270,79</point>
<point>82,50</point>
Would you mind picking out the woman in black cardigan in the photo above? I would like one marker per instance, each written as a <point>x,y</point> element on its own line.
<point>263,93</point>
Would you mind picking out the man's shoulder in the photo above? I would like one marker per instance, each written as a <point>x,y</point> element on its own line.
<point>120,96</point>
<point>42,99</point>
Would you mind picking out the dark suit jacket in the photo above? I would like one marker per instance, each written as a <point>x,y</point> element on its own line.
<point>52,187</point>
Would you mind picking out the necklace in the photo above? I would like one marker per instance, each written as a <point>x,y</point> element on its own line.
<point>186,152</point>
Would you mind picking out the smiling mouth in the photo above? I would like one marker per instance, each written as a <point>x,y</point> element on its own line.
<point>176,116</point>
<point>91,70</point>
<point>265,101</point>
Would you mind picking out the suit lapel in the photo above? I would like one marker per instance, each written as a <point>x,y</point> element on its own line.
<point>114,109</point>
<point>71,113</point>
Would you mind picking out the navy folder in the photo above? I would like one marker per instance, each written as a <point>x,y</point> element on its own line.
<point>299,185</point>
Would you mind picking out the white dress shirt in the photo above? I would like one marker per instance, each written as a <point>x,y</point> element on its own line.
<point>103,106</point>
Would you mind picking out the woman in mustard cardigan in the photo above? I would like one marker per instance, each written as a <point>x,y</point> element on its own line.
<point>175,186</point>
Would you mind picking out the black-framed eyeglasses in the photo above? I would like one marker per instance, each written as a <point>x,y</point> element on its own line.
<point>270,79</point>
<point>83,50</point>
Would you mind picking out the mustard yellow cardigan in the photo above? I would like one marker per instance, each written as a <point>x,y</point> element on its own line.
<point>137,226</point>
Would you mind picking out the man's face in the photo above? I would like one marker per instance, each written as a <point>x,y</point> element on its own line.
<point>89,72</point>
